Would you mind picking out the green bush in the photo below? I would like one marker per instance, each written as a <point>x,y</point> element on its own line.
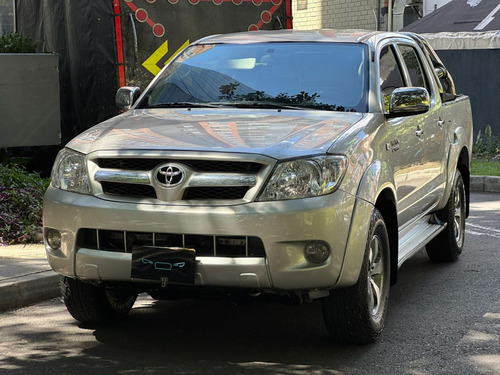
<point>488,145</point>
<point>21,197</point>
<point>16,43</point>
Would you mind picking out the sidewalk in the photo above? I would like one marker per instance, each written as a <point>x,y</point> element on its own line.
<point>26,277</point>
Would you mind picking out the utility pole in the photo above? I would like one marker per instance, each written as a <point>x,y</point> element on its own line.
<point>389,16</point>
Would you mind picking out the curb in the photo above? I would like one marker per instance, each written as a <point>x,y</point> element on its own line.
<point>487,184</point>
<point>25,290</point>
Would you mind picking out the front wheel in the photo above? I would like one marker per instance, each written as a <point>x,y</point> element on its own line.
<point>448,245</point>
<point>357,314</point>
<point>90,303</point>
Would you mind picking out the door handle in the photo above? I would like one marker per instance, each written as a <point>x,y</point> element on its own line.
<point>440,123</point>
<point>419,132</point>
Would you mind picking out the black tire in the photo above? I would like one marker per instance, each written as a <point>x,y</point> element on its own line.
<point>90,303</point>
<point>357,314</point>
<point>448,245</point>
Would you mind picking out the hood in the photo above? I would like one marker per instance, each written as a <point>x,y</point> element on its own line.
<point>277,134</point>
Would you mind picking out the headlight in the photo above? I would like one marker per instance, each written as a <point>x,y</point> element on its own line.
<point>70,173</point>
<point>304,178</point>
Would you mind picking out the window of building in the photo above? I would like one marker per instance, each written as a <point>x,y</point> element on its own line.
<point>301,4</point>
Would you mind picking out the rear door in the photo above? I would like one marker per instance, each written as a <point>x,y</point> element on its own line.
<point>428,130</point>
<point>403,148</point>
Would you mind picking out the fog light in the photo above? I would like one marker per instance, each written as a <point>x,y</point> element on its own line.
<point>53,238</point>
<point>317,252</point>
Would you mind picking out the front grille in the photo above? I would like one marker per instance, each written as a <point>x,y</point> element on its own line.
<point>129,164</point>
<point>209,166</point>
<point>123,241</point>
<point>199,179</point>
<point>128,190</point>
<point>199,193</point>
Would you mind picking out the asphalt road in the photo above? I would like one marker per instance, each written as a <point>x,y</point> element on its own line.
<point>443,319</point>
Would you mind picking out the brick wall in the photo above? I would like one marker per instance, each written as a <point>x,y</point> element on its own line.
<point>336,14</point>
<point>309,18</point>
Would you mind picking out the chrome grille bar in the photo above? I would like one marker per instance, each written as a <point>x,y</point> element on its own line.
<point>122,176</point>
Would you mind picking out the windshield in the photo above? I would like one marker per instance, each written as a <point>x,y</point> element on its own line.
<point>325,76</point>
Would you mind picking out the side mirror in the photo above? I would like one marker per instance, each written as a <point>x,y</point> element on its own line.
<point>407,101</point>
<point>126,96</point>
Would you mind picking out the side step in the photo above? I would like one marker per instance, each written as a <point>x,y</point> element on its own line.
<point>412,239</point>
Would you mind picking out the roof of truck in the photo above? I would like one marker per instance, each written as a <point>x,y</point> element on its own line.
<point>266,36</point>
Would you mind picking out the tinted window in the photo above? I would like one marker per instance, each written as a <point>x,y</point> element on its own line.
<point>446,81</point>
<point>414,66</point>
<point>390,74</point>
<point>329,76</point>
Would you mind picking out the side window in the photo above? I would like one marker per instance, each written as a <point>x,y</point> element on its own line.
<point>414,66</point>
<point>390,74</point>
<point>445,79</point>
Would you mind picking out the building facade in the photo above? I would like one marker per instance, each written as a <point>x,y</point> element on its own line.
<point>360,14</point>
<point>336,14</point>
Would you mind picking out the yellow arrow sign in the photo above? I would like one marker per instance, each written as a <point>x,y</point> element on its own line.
<point>151,62</point>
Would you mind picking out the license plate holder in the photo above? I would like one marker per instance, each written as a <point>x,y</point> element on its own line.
<point>165,264</point>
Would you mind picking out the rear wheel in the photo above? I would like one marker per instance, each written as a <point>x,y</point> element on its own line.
<point>90,303</point>
<point>448,245</point>
<point>357,314</point>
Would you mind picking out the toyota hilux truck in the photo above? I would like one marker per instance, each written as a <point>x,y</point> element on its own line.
<point>299,164</point>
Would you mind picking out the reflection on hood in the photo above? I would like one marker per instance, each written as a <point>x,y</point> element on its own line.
<point>272,133</point>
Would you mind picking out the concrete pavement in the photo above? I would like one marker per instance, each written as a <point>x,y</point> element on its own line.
<point>26,277</point>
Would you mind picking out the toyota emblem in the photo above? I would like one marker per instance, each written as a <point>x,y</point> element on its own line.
<point>170,175</point>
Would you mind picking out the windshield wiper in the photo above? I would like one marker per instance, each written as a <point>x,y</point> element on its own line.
<point>181,105</point>
<point>261,105</point>
<point>302,106</point>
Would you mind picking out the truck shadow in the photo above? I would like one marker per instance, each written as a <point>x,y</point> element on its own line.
<point>207,336</point>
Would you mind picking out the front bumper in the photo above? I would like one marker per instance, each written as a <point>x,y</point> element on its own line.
<point>285,228</point>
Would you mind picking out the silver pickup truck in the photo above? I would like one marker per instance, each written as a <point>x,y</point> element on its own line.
<point>305,164</point>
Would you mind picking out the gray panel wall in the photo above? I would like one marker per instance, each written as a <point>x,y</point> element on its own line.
<point>476,74</point>
<point>29,100</point>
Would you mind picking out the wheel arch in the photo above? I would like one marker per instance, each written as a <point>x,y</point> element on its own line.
<point>459,157</point>
<point>463,165</point>
<point>386,204</point>
<point>376,190</point>
<point>377,186</point>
